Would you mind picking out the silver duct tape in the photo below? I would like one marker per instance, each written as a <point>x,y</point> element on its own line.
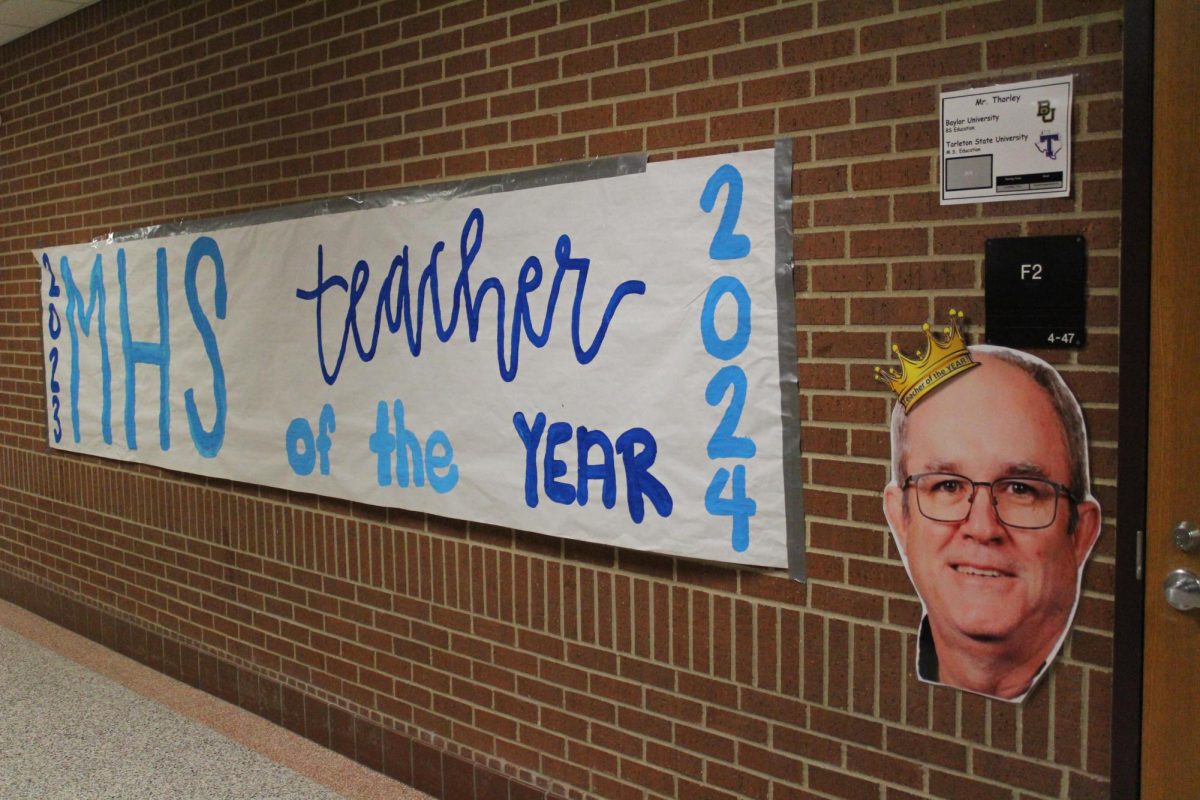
<point>793,488</point>
<point>470,187</point>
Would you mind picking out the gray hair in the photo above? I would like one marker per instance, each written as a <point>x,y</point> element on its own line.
<point>1065,406</point>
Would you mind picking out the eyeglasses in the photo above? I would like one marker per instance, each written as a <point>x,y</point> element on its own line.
<point>1030,503</point>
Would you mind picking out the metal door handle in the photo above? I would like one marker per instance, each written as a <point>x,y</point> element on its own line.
<point>1182,590</point>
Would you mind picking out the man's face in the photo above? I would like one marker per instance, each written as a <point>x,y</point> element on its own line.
<point>982,581</point>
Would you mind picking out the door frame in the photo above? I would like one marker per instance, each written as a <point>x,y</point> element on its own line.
<point>1133,402</point>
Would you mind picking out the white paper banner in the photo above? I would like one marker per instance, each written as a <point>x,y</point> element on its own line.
<point>597,359</point>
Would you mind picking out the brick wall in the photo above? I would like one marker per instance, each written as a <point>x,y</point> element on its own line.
<point>473,659</point>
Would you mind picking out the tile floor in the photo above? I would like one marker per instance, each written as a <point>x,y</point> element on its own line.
<point>78,721</point>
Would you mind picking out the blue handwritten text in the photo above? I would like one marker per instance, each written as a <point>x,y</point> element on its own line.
<point>396,306</point>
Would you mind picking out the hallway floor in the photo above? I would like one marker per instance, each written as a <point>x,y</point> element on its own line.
<point>78,721</point>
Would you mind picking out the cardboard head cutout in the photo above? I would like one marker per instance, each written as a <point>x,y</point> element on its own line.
<point>990,505</point>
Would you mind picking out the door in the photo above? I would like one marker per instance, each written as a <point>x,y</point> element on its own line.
<point>1171,658</point>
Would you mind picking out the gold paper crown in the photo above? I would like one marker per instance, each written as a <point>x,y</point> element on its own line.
<point>944,358</point>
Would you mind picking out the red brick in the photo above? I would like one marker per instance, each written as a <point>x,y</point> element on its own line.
<point>1105,37</point>
<point>606,786</point>
<point>917,136</point>
<point>1102,195</point>
<point>708,37</point>
<point>838,12</point>
<point>776,89</point>
<point>1102,77</point>
<point>1034,48</point>
<point>484,135</point>
<point>851,211</point>
<point>990,17</point>
<point>562,150</point>
<point>824,504</point>
<point>778,22</point>
<point>616,142</point>
<point>639,51</point>
<point>1103,155</point>
<point>741,125</point>
<point>584,62</point>
<point>759,58</point>
<point>1017,772</point>
<point>1056,10</point>
<point>880,577</point>
<point>927,749</point>
<point>889,242</point>
<point>740,782</point>
<point>849,277</point>
<point>534,127</point>
<point>586,119</point>
<point>848,727</point>
<point>844,408</point>
<point>463,113</point>
<point>900,33</point>
<point>889,310</point>
<point>848,603</point>
<point>649,109</point>
<point>841,784</point>
<point>563,38</point>
<point>914,102</point>
<point>923,206</point>
<point>564,770</point>
<point>706,100</point>
<point>857,142</point>
<point>849,474</point>
<point>618,84</point>
<point>853,77</point>
<point>622,27</point>
<point>890,173</point>
<point>818,47</point>
<point>571,10</point>
<point>593,759</point>
<point>968,239</point>
<point>814,246</point>
<point>939,63</point>
<point>1097,753</point>
<point>485,83</point>
<point>679,73</point>
<point>512,51</point>
<point>678,14</point>
<point>676,134</point>
<point>736,725</point>
<point>515,103</point>
<point>848,345</point>
<point>952,787</point>
<point>818,311</point>
<point>442,143</point>
<point>486,32</point>
<point>1083,787</point>
<point>675,760</point>
<point>531,21</point>
<point>810,116</point>
<point>929,275</point>
<point>699,740</point>
<point>416,26</point>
